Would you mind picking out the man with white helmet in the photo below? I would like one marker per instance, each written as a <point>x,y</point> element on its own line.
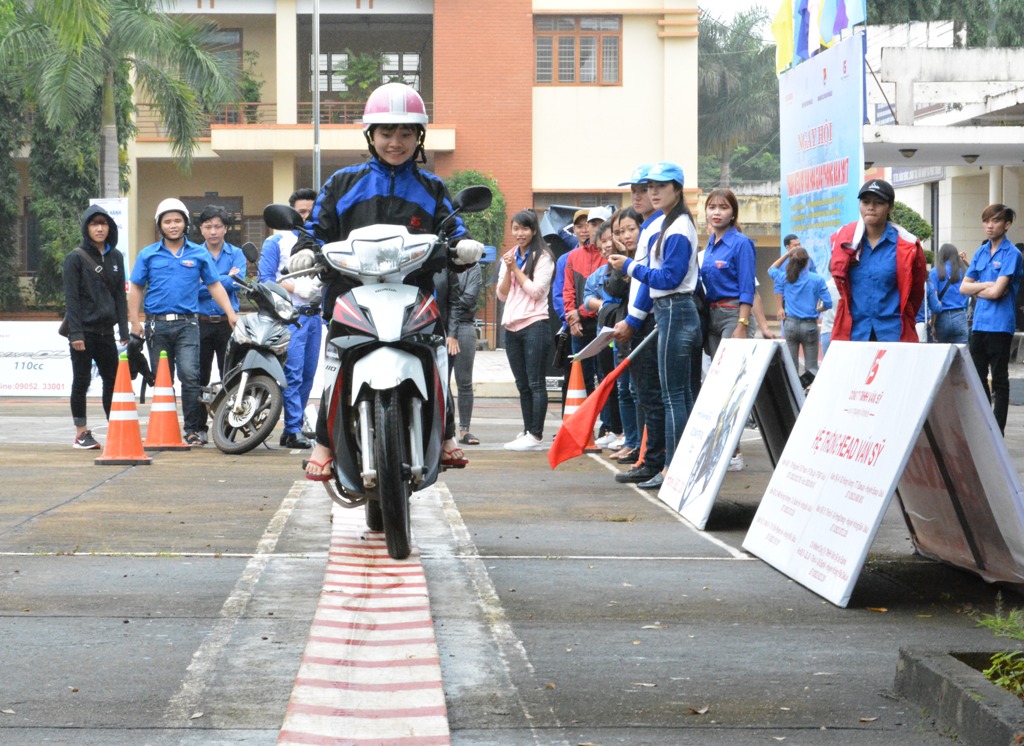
<point>392,189</point>
<point>168,275</point>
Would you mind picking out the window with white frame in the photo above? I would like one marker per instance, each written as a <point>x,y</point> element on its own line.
<point>400,67</point>
<point>577,50</point>
<point>330,72</point>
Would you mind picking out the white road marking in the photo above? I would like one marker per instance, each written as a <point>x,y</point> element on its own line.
<point>204,661</point>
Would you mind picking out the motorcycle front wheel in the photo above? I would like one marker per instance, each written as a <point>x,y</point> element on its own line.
<point>261,409</point>
<point>390,453</point>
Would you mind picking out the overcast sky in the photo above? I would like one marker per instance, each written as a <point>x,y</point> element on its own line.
<point>724,10</point>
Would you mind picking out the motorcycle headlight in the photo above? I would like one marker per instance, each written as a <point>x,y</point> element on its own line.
<point>378,256</point>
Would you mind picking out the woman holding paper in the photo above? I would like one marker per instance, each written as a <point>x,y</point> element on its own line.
<point>524,281</point>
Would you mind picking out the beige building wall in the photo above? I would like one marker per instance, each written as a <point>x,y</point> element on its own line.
<point>589,138</point>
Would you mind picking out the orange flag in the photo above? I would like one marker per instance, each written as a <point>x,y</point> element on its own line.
<point>578,428</point>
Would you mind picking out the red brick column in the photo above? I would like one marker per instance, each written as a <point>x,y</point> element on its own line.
<point>483,87</point>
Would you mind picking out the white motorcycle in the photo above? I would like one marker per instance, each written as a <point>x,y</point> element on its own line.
<point>386,368</point>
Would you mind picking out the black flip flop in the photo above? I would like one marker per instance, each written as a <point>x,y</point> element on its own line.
<point>469,439</point>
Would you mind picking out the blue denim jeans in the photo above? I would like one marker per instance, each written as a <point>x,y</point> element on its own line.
<point>300,369</point>
<point>951,327</point>
<point>529,352</point>
<point>802,332</point>
<point>180,340</point>
<point>679,347</point>
<point>627,406</point>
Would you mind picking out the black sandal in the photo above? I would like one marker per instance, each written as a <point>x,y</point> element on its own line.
<point>469,439</point>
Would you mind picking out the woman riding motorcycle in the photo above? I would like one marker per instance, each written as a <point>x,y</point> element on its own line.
<point>389,188</point>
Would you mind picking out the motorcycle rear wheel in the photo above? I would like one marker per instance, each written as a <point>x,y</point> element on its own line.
<point>390,453</point>
<point>240,433</point>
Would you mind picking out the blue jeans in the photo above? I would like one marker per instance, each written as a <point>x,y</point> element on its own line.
<point>300,369</point>
<point>951,327</point>
<point>180,340</point>
<point>679,349</point>
<point>529,352</point>
<point>627,405</point>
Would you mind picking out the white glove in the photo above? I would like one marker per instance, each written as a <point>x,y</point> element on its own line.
<point>301,260</point>
<point>307,288</point>
<point>468,251</point>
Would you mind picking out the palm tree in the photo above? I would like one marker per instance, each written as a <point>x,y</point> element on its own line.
<point>64,50</point>
<point>738,102</point>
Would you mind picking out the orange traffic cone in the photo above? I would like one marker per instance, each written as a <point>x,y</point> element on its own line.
<point>643,449</point>
<point>575,395</point>
<point>164,432</point>
<point>124,438</point>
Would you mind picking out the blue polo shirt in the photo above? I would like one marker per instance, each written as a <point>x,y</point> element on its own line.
<point>874,294</point>
<point>986,266</point>
<point>952,299</point>
<point>801,297</point>
<point>729,268</point>
<point>172,279</point>
<point>230,257</point>
<point>777,285</point>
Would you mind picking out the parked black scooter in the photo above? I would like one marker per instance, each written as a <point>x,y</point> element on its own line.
<point>246,405</point>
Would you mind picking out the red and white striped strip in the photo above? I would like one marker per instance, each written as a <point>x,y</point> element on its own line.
<point>371,672</point>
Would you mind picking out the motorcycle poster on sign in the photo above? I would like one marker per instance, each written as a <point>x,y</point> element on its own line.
<point>858,437</point>
<point>713,430</point>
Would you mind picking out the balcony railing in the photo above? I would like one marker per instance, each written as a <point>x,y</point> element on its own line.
<point>151,125</point>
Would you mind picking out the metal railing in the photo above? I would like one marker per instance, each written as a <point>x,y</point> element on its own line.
<point>151,124</point>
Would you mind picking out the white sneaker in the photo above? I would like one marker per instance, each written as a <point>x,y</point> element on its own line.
<point>606,440</point>
<point>526,442</point>
<point>736,463</point>
<point>618,443</point>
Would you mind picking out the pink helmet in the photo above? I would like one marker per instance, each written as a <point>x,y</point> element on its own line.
<point>394,103</point>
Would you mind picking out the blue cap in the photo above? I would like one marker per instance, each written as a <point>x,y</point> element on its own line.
<point>665,171</point>
<point>637,176</point>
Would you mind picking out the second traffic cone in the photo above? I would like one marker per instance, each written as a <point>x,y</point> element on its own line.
<point>164,432</point>
<point>124,438</point>
<point>575,395</point>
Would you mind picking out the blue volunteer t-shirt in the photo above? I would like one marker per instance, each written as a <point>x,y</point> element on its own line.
<point>996,315</point>
<point>874,293</point>
<point>172,279</point>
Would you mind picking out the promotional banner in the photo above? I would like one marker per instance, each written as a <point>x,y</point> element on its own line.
<point>118,209</point>
<point>716,423</point>
<point>843,459</point>
<point>821,115</point>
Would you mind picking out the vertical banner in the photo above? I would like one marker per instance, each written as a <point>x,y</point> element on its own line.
<point>716,424</point>
<point>829,492</point>
<point>821,118</point>
<point>118,209</point>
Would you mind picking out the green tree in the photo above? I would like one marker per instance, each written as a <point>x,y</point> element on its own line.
<point>737,88</point>
<point>362,74</point>
<point>992,23</point>
<point>488,226</point>
<point>62,176</point>
<point>62,50</point>
<point>910,219</point>
<point>12,133</point>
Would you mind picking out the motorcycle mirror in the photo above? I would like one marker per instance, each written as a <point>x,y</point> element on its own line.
<point>472,199</point>
<point>251,252</point>
<point>282,217</point>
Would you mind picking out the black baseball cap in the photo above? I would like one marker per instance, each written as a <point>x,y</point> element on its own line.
<point>879,188</point>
